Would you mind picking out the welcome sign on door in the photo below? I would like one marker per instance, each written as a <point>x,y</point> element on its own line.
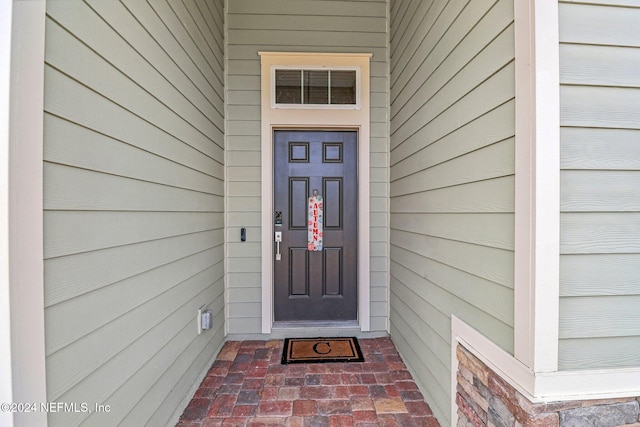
<point>315,222</point>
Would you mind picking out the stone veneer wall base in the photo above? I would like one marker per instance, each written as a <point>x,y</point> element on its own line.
<point>485,400</point>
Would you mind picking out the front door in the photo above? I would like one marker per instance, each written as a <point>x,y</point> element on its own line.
<point>316,260</point>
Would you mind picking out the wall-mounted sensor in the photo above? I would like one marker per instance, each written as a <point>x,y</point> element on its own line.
<point>243,234</point>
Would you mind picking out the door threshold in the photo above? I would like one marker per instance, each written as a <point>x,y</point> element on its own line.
<point>350,324</point>
<point>307,329</point>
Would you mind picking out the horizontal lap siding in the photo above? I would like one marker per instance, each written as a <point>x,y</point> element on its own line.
<point>134,204</point>
<point>600,182</point>
<point>299,26</point>
<point>452,180</point>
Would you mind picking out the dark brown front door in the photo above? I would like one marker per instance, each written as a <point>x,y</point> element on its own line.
<point>315,285</point>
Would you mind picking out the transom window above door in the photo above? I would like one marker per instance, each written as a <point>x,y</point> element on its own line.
<point>296,87</point>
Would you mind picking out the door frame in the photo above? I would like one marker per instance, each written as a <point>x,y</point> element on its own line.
<point>356,119</point>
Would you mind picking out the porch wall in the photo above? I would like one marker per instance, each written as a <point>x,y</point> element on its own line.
<point>600,185</point>
<point>452,181</point>
<point>134,205</point>
<point>298,26</point>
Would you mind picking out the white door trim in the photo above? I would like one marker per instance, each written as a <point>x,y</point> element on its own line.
<point>324,119</point>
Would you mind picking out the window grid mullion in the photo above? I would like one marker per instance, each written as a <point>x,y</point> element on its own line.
<point>328,87</point>
<point>302,87</point>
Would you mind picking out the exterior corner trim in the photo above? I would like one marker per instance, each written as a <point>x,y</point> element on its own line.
<point>23,337</point>
<point>537,185</point>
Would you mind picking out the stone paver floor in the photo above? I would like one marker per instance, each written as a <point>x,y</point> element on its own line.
<point>247,386</point>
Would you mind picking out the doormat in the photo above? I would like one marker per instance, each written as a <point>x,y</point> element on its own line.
<point>321,350</point>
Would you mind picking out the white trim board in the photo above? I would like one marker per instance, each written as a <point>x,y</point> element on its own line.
<point>537,185</point>
<point>540,387</point>
<point>353,119</point>
<point>22,210</point>
<point>6,389</point>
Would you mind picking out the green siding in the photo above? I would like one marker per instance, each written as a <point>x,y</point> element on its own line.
<point>300,26</point>
<point>600,182</point>
<point>452,181</point>
<point>134,202</point>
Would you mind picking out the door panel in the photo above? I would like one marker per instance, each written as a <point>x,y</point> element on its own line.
<point>298,268</point>
<point>298,190</point>
<point>332,192</point>
<point>316,285</point>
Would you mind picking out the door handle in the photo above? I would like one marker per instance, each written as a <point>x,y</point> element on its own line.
<point>278,240</point>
